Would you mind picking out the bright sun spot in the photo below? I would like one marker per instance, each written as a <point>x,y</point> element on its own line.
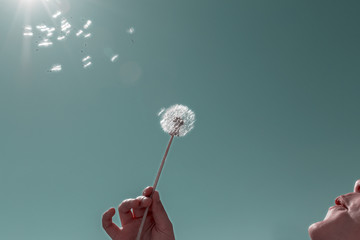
<point>33,1</point>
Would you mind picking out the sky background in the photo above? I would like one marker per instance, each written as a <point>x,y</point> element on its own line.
<point>274,85</point>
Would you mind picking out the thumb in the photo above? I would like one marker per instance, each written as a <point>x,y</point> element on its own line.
<point>161,219</point>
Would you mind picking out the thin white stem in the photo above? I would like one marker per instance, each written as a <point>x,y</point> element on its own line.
<point>154,187</point>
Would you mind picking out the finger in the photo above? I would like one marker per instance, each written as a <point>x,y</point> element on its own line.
<point>159,214</point>
<point>147,191</point>
<point>126,216</point>
<point>144,202</point>
<point>111,229</point>
<point>357,186</point>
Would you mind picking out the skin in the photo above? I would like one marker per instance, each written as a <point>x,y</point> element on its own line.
<point>342,222</point>
<point>157,225</point>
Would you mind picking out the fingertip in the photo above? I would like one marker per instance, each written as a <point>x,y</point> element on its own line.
<point>107,216</point>
<point>357,186</point>
<point>147,191</point>
<point>110,212</point>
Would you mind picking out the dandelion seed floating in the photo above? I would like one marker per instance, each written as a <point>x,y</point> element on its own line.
<point>177,120</point>
<point>87,24</point>
<point>113,59</point>
<point>131,30</point>
<point>87,35</point>
<point>55,68</point>
<point>58,13</point>
<point>161,111</point>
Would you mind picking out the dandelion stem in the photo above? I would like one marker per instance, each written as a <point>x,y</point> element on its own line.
<point>154,187</point>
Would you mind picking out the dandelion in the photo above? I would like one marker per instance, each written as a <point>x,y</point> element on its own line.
<point>172,117</point>
<point>177,120</point>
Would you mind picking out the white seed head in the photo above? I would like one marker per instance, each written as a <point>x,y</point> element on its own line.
<point>177,120</point>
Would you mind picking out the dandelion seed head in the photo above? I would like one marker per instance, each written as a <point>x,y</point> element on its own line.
<point>177,120</point>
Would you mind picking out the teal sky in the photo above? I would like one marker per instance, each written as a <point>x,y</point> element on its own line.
<point>274,85</point>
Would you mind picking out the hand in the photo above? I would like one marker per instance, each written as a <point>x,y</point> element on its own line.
<point>157,225</point>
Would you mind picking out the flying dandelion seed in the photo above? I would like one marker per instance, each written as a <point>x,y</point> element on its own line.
<point>87,24</point>
<point>87,35</point>
<point>61,38</point>
<point>56,68</point>
<point>28,34</point>
<point>45,43</point>
<point>42,26</point>
<point>87,65</point>
<point>58,13</point>
<point>79,33</point>
<point>28,31</point>
<point>86,58</point>
<point>131,30</point>
<point>65,25</point>
<point>177,120</point>
<point>114,58</point>
<point>161,111</point>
